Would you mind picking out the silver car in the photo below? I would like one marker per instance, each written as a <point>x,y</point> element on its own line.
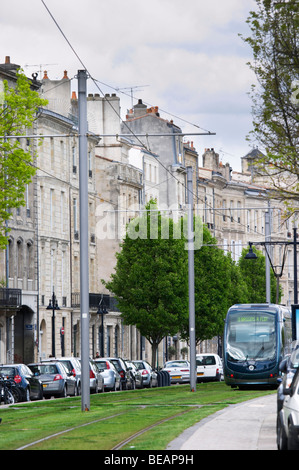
<point>72,364</point>
<point>136,375</point>
<point>109,373</point>
<point>149,376</point>
<point>96,378</point>
<point>179,371</point>
<point>55,378</point>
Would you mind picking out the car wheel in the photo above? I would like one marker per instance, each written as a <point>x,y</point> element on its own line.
<point>282,441</point>
<point>41,393</point>
<point>292,443</point>
<point>63,394</point>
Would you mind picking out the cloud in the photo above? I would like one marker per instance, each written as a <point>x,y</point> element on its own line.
<point>187,55</point>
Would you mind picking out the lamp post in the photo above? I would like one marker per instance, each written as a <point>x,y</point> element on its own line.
<point>102,311</point>
<point>53,305</point>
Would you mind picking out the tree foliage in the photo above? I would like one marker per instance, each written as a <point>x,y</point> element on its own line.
<point>151,278</point>
<point>254,274</point>
<point>274,42</point>
<point>18,108</point>
<point>218,285</point>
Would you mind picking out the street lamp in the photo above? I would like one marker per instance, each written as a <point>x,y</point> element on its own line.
<point>251,255</point>
<point>53,305</point>
<point>102,311</point>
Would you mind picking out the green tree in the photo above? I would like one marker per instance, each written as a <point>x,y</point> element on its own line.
<point>254,275</point>
<point>150,281</point>
<point>275,46</point>
<point>18,108</point>
<point>218,285</point>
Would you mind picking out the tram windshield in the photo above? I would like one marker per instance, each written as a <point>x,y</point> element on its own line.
<point>251,336</point>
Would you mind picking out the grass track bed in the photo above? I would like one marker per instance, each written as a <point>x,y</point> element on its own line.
<point>136,410</point>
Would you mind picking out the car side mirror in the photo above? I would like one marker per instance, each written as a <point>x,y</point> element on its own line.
<point>287,391</point>
<point>283,366</point>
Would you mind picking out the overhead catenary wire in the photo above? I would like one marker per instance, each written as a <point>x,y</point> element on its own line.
<point>207,205</point>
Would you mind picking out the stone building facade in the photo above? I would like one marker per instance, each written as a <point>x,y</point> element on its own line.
<point>124,172</point>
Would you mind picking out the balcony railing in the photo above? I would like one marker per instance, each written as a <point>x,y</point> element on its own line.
<point>94,300</point>
<point>10,297</point>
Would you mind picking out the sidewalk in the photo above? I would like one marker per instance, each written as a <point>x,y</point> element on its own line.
<point>250,425</point>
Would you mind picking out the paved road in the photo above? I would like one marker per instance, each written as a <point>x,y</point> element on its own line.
<point>249,425</point>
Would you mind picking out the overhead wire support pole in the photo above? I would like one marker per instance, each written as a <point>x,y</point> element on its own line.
<point>84,278</point>
<point>191,282</point>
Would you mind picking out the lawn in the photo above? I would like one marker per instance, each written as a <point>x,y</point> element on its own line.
<point>113,418</point>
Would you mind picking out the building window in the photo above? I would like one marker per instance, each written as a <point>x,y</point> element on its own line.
<point>74,159</point>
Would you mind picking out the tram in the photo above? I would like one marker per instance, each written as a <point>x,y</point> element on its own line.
<point>256,337</point>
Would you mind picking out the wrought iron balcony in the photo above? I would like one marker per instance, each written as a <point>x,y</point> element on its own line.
<point>10,297</point>
<point>94,300</point>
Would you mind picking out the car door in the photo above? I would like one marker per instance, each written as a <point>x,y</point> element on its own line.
<point>34,383</point>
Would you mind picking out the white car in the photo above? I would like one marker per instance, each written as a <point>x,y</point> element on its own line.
<point>179,371</point>
<point>208,367</point>
<point>288,417</point>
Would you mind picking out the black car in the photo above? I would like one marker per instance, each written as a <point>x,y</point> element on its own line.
<point>30,386</point>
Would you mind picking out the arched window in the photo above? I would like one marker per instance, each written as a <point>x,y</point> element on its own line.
<point>116,340</point>
<point>20,258</point>
<point>30,260</point>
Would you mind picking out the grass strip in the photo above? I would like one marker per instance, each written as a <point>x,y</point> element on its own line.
<point>26,423</point>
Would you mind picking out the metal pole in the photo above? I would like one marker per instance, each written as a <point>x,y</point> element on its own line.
<point>191,282</point>
<point>295,267</point>
<point>267,239</point>
<point>84,282</point>
<point>53,325</point>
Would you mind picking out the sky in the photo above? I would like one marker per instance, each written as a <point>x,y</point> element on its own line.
<point>187,58</point>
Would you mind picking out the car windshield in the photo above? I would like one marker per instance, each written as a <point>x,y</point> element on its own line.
<point>44,369</point>
<point>139,365</point>
<point>205,361</point>
<point>251,335</point>
<point>116,365</point>
<point>102,365</point>
<point>295,358</point>
<point>176,364</point>
<point>8,371</point>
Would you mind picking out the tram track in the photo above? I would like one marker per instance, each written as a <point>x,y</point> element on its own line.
<point>119,445</point>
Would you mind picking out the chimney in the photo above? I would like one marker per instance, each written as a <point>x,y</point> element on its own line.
<point>74,95</point>
<point>45,77</point>
<point>65,75</point>
<point>7,59</point>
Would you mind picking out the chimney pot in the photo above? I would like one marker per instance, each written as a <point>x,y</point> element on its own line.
<point>65,75</point>
<point>45,77</point>
<point>7,59</point>
<point>74,95</point>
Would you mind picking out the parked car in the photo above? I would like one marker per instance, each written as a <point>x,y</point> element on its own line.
<point>123,371</point>
<point>149,376</point>
<point>73,366</point>
<point>109,373</point>
<point>55,378</point>
<point>285,380</point>
<point>288,417</point>
<point>30,386</point>
<point>136,376</point>
<point>208,367</point>
<point>179,371</point>
<point>96,378</point>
